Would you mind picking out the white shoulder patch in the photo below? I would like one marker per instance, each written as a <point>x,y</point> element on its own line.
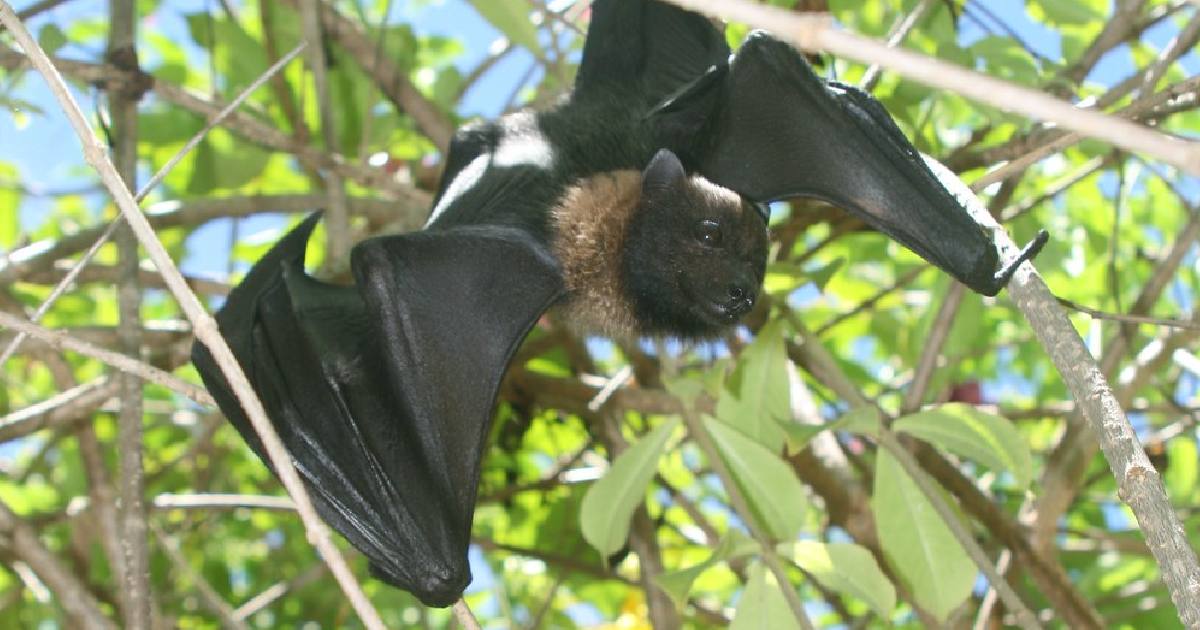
<point>463,182</point>
<point>525,150</point>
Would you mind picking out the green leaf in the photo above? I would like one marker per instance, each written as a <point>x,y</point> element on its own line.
<point>969,432</point>
<point>678,584</point>
<point>775,495</point>
<point>1069,12</point>
<point>861,420</point>
<point>762,604</point>
<point>918,544</point>
<point>759,395</point>
<point>784,277</point>
<point>846,568</point>
<point>1183,475</point>
<point>798,435</point>
<point>685,388</point>
<point>510,17</point>
<point>609,504</point>
<point>51,38</point>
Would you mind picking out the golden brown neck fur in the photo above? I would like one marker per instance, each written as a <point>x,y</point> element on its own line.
<point>589,225</point>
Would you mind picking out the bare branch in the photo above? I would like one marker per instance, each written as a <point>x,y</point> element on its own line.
<point>203,323</point>
<point>337,226</point>
<point>212,600</point>
<point>1139,484</point>
<point>462,612</point>
<point>168,214</point>
<point>1129,319</point>
<point>59,340</point>
<point>73,596</point>
<point>60,409</point>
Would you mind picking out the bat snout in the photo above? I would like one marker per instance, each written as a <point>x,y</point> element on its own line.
<point>741,298</point>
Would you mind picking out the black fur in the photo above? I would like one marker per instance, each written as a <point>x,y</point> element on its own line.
<point>694,254</point>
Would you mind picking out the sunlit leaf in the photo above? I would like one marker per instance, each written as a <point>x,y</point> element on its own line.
<point>758,395</point>
<point>863,420</point>
<point>678,584</point>
<point>918,544</point>
<point>775,495</point>
<point>51,38</point>
<point>846,568</point>
<point>609,504</point>
<point>974,434</point>
<point>762,604</point>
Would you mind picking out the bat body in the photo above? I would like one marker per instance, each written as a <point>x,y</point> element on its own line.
<point>634,208</point>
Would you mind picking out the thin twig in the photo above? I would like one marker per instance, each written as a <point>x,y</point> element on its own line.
<point>23,541</point>
<point>1129,319</point>
<point>899,31</point>
<point>272,593</point>
<point>387,74</point>
<point>131,508</point>
<point>939,331</point>
<point>984,616</point>
<point>63,407</point>
<point>212,600</point>
<point>610,387</point>
<point>1139,483</point>
<point>337,223</point>
<point>222,502</point>
<point>62,341</point>
<point>204,325</point>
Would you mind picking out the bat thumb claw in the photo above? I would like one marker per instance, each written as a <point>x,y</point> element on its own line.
<point>1028,253</point>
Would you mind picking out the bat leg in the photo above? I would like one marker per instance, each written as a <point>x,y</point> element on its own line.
<point>1029,252</point>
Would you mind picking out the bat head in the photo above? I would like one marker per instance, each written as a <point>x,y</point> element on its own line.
<point>694,253</point>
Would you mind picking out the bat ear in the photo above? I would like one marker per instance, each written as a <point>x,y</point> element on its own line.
<point>664,172</point>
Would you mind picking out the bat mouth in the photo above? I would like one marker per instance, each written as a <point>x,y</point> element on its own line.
<point>716,313</point>
<point>729,311</point>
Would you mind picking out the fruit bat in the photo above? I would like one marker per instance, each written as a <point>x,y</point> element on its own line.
<point>635,207</point>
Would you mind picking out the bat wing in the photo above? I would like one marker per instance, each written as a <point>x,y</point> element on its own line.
<point>775,130</point>
<point>383,392</point>
<point>651,47</point>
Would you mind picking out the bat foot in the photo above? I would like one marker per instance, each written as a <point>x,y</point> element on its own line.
<point>1031,250</point>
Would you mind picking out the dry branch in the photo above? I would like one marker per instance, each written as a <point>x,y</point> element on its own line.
<point>62,341</point>
<point>60,409</point>
<point>1139,484</point>
<point>203,323</point>
<point>73,596</point>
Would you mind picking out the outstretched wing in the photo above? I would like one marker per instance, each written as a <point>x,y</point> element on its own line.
<point>383,392</point>
<point>772,129</point>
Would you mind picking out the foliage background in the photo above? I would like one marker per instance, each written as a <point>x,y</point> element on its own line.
<point>220,542</point>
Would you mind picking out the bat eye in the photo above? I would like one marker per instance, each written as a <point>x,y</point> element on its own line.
<point>708,232</point>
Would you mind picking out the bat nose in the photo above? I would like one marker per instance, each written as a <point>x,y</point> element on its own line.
<point>741,298</point>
